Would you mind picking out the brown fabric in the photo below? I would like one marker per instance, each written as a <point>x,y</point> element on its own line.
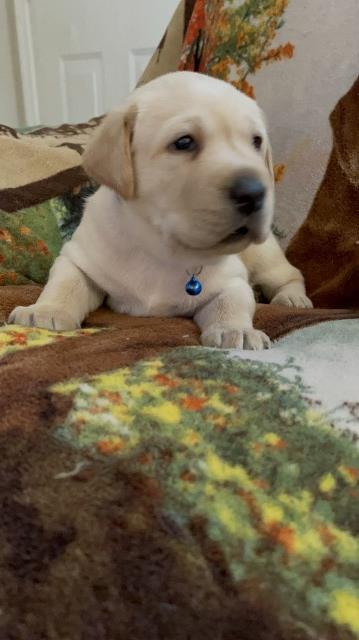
<point>126,341</point>
<point>89,552</point>
<point>326,247</point>
<point>66,133</point>
<point>138,334</point>
<point>14,199</point>
<point>93,557</point>
<point>118,346</point>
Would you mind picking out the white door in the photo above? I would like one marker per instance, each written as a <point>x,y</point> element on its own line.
<point>80,58</point>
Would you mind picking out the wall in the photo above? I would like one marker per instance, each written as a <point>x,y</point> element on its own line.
<point>11,107</point>
<point>298,95</point>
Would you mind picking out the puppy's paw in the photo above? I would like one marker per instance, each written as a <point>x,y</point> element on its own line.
<point>294,298</point>
<point>225,337</point>
<point>45,316</point>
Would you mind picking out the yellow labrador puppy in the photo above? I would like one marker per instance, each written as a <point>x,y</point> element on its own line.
<point>181,223</point>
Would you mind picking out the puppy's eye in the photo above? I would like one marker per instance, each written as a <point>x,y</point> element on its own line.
<point>257,142</point>
<point>185,143</point>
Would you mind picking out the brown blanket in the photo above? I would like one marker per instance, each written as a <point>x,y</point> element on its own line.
<point>128,340</point>
<point>99,545</point>
<point>326,247</point>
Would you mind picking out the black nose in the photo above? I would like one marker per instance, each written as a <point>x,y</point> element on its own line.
<point>248,194</point>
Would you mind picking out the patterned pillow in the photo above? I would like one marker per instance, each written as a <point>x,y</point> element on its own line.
<point>31,238</point>
<point>42,193</point>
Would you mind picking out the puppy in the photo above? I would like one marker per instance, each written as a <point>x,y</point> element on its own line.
<point>187,187</point>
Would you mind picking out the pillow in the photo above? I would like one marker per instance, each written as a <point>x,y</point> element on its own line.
<point>31,238</point>
<point>42,192</point>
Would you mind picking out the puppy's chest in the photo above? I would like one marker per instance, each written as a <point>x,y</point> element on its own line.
<point>144,291</point>
<point>143,288</point>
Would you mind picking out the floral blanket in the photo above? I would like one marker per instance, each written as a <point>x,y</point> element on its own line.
<point>150,488</point>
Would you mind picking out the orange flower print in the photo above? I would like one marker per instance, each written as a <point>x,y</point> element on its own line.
<point>19,338</point>
<point>233,40</point>
<point>280,53</point>
<point>219,422</point>
<point>8,276</point>
<point>110,445</point>
<point>193,404</point>
<point>25,231</point>
<point>279,171</point>
<point>197,22</point>
<point>5,235</point>
<point>165,381</point>
<point>245,87</point>
<point>231,388</point>
<point>188,476</point>
<point>112,396</point>
<point>193,38</point>
<point>42,247</point>
<point>283,535</point>
<point>288,50</point>
<point>350,474</point>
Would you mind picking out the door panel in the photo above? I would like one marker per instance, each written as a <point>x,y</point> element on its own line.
<point>87,56</point>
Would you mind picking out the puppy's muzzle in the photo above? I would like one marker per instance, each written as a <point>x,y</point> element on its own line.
<point>247,193</point>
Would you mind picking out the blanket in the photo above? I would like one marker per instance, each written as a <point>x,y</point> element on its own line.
<point>150,488</point>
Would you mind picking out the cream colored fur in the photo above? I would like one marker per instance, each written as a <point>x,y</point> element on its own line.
<point>160,214</point>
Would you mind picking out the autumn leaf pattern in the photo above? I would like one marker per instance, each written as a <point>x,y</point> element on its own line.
<point>232,40</point>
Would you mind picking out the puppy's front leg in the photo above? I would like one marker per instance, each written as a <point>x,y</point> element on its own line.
<point>280,282</point>
<point>226,321</point>
<point>65,301</point>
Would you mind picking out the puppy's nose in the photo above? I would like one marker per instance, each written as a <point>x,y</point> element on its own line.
<point>248,194</point>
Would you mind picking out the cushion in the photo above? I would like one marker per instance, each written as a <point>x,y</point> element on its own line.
<point>32,237</point>
<point>42,191</point>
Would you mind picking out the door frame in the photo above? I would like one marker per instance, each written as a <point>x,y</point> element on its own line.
<point>24,40</point>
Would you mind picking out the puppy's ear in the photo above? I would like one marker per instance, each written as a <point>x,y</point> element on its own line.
<point>344,121</point>
<point>269,161</point>
<point>108,157</point>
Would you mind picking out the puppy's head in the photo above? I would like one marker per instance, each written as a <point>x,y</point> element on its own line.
<point>191,155</point>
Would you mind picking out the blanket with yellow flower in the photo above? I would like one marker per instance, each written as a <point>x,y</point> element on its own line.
<point>151,488</point>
